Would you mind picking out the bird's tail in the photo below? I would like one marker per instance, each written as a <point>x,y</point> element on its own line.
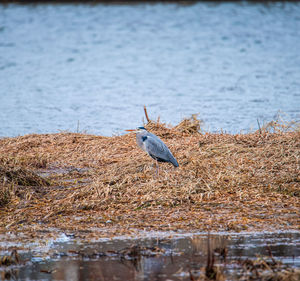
<point>174,162</point>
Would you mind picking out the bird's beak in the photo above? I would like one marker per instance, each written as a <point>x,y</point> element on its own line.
<point>130,130</point>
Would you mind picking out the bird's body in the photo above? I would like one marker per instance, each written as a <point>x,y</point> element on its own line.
<point>154,146</point>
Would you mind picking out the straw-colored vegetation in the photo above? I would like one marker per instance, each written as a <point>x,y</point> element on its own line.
<point>78,182</point>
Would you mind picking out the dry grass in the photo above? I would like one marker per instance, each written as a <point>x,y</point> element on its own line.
<point>266,269</point>
<point>224,182</point>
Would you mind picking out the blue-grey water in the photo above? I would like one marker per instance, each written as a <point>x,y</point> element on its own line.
<point>165,259</point>
<point>92,67</point>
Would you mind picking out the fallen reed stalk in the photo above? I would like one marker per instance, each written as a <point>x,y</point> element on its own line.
<point>224,182</point>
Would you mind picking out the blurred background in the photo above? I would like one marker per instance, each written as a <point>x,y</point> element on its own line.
<point>91,67</point>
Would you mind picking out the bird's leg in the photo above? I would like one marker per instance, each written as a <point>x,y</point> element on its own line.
<point>157,168</point>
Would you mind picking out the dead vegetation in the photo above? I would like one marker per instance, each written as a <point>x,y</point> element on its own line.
<point>263,268</point>
<point>75,182</point>
<point>279,125</point>
<point>189,125</point>
<point>21,176</point>
<point>12,259</point>
<point>212,272</point>
<point>19,182</point>
<point>266,269</point>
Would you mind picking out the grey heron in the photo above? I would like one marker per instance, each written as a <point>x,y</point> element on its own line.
<point>154,146</point>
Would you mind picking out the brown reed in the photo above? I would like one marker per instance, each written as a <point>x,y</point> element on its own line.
<point>224,182</point>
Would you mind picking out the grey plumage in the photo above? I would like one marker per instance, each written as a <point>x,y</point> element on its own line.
<point>154,146</point>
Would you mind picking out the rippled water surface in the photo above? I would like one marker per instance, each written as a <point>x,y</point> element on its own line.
<point>166,258</point>
<point>99,64</point>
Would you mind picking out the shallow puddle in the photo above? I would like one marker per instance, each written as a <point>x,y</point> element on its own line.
<point>154,256</point>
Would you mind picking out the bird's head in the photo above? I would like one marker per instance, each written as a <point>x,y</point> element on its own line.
<point>137,130</point>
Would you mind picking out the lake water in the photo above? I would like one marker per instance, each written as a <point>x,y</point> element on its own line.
<point>93,67</point>
<point>161,257</point>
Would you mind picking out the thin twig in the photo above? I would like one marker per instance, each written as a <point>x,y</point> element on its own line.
<point>270,254</point>
<point>258,126</point>
<point>97,190</point>
<point>77,131</point>
<point>146,114</point>
<point>209,260</point>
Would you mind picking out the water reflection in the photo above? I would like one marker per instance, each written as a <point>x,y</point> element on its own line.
<point>159,258</point>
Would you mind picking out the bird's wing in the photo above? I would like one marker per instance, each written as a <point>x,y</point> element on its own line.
<point>156,147</point>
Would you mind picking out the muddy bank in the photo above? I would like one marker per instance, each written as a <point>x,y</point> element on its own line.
<point>84,182</point>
